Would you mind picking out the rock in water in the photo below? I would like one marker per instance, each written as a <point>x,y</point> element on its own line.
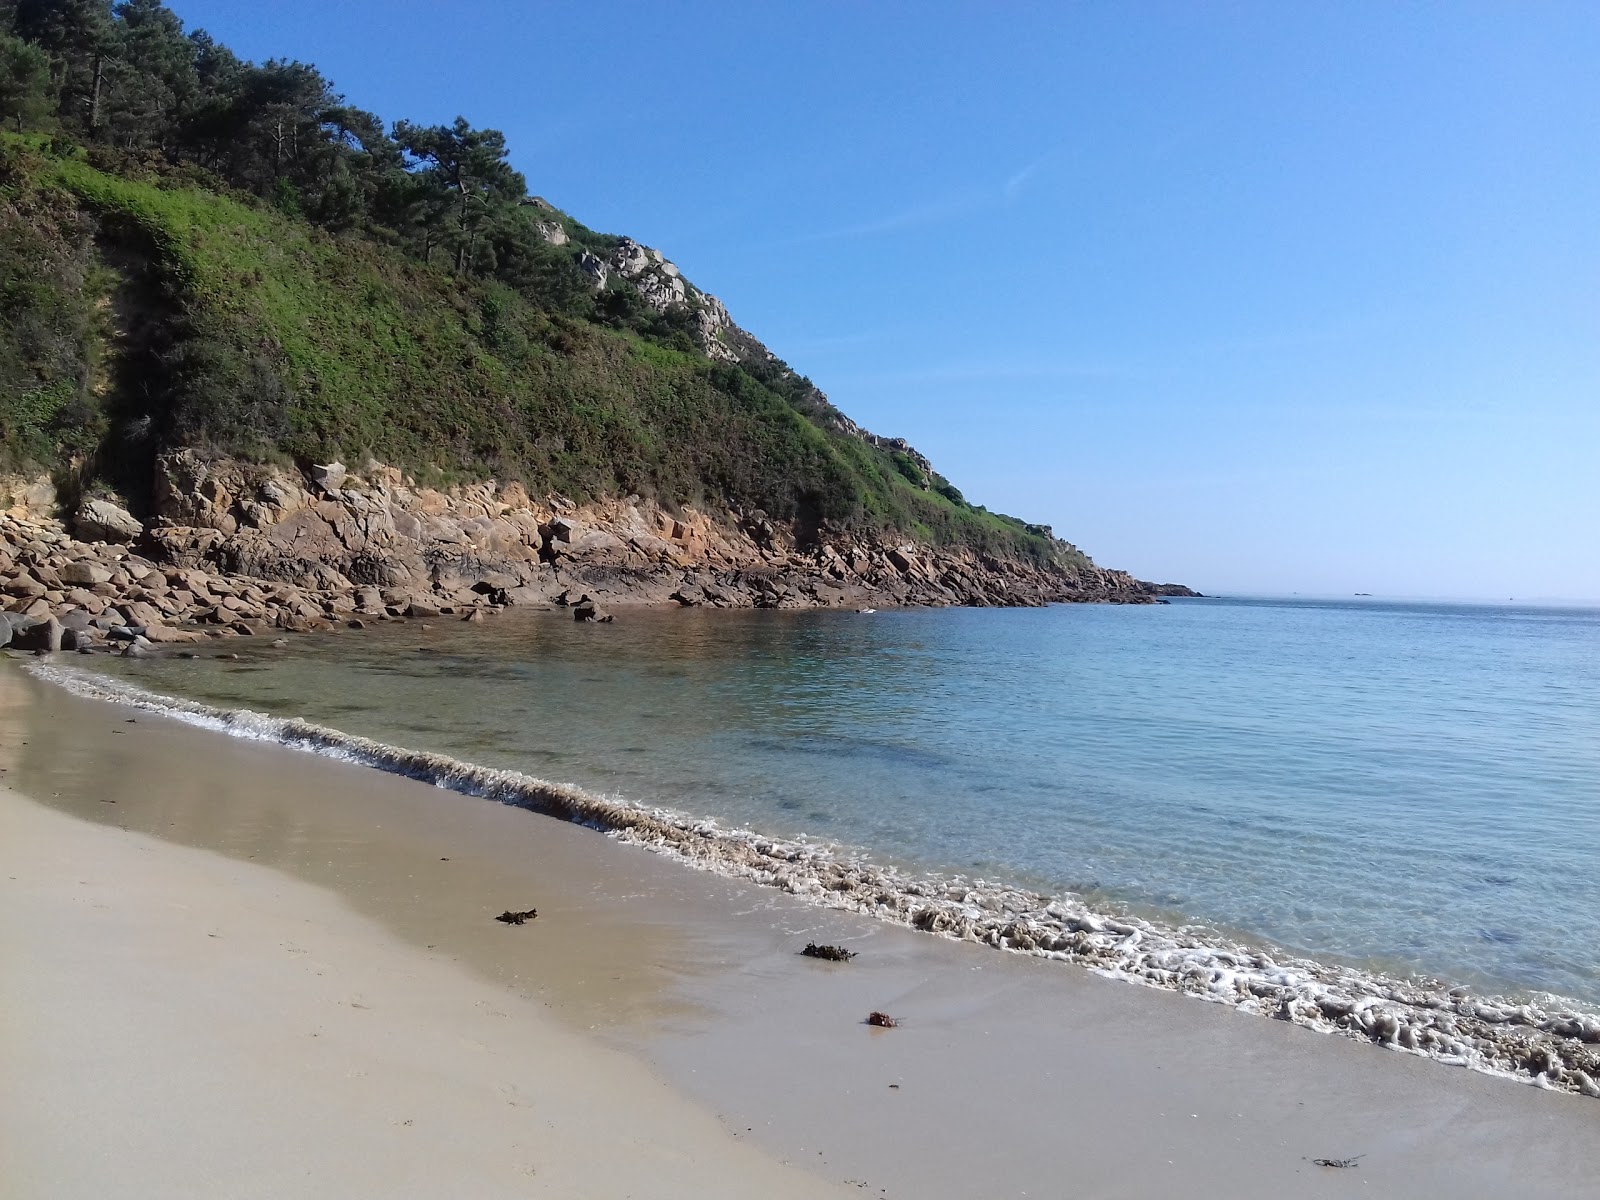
<point>587,610</point>
<point>882,1020</point>
<point>517,918</point>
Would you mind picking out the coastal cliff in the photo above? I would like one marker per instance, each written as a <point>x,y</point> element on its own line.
<point>366,356</point>
<point>237,549</point>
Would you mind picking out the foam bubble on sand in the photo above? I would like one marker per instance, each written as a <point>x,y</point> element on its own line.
<point>1554,1043</point>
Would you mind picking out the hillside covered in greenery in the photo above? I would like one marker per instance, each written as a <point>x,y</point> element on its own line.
<point>200,251</point>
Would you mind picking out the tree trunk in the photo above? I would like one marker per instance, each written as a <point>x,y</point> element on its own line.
<point>94,95</point>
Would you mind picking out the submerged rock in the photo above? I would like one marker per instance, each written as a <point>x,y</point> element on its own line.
<point>517,918</point>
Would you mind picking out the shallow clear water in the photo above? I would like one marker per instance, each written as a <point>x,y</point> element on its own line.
<point>1409,786</point>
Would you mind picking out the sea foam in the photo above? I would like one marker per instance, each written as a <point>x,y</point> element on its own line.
<point>1554,1044</point>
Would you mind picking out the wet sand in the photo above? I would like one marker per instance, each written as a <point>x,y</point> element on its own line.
<point>1015,1076</point>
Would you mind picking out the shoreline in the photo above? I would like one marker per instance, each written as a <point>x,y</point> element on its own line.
<point>1545,1045</point>
<point>1015,1075</point>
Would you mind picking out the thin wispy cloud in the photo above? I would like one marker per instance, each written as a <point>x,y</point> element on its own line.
<point>1010,372</point>
<point>939,209</point>
<point>830,341</point>
<point>1014,185</point>
<point>932,212</point>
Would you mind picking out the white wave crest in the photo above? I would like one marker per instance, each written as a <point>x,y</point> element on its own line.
<point>1549,1045</point>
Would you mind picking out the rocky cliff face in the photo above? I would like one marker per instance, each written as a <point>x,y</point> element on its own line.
<point>344,531</point>
<point>239,549</point>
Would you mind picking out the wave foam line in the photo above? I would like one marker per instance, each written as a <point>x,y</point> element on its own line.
<point>1548,1046</point>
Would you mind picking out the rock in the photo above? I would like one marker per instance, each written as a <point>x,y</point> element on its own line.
<point>166,634</point>
<point>586,610</point>
<point>882,1020</point>
<point>28,498</point>
<point>45,635</point>
<point>25,587</point>
<point>86,600</point>
<point>83,573</point>
<point>421,608</point>
<point>594,268</point>
<point>125,633</point>
<point>900,556</point>
<point>329,477</point>
<point>5,629</point>
<point>517,918</point>
<point>139,612</point>
<point>77,639</point>
<point>103,521</point>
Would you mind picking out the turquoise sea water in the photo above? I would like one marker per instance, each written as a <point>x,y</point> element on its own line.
<point>1414,787</point>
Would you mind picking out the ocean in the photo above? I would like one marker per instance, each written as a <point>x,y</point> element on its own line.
<point>1407,788</point>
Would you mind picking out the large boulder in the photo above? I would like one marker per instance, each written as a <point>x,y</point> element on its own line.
<point>165,633</point>
<point>83,573</point>
<point>103,521</point>
<point>43,635</point>
<point>329,476</point>
<point>77,639</point>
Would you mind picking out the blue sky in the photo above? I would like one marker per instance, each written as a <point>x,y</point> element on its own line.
<point>1259,297</point>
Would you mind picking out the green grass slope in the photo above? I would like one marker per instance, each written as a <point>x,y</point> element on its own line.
<point>140,311</point>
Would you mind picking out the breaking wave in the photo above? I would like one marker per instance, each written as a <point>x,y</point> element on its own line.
<point>1549,1044</point>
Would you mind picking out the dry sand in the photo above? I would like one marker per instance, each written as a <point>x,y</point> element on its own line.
<point>641,982</point>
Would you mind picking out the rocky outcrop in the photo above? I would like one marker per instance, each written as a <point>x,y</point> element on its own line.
<point>341,532</point>
<point>235,549</point>
<point>662,286</point>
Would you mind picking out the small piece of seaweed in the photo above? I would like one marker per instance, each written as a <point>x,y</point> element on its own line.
<point>1337,1162</point>
<point>831,953</point>
<point>517,918</point>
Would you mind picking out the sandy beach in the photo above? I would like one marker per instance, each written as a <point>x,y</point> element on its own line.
<point>237,970</point>
<point>181,1024</point>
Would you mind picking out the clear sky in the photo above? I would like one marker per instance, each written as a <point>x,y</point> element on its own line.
<point>1257,297</point>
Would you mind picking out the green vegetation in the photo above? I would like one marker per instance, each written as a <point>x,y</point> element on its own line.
<point>196,251</point>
